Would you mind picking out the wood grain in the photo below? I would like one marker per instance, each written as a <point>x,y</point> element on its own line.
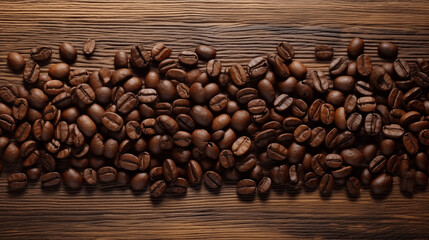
<point>240,30</point>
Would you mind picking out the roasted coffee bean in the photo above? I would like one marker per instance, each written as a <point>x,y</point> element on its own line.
<point>238,75</point>
<point>68,52</point>
<point>59,71</point>
<point>107,174</point>
<point>286,51</point>
<point>345,139</point>
<point>121,60</point>
<point>160,52</point>
<point>283,102</point>
<point>89,46</point>
<point>50,179</point>
<point>246,187</point>
<point>31,72</point>
<point>364,65</point>
<point>333,160</point>
<point>366,104</point>
<point>246,164</point>
<point>342,172</point>
<point>317,136</point>
<point>33,174</point>
<point>212,180</point>
<point>194,172</point>
<point>218,102</point>
<point>327,113</point>
<point>353,186</point>
<point>407,182</point>
<point>15,61</point>
<point>139,182</point>
<point>17,182</point>
<point>354,121</point>
<point>72,179</point>
<point>279,66</point>
<point>402,68</point>
<point>41,53</point>
<point>411,143</point>
<point>377,164</point>
<point>170,170</point>
<point>241,146</point>
<point>257,67</point>
<point>205,52</point>
<point>90,176</point>
<point>355,48</point>
<point>380,80</point>
<point>323,52</point>
<point>318,164</point>
<point>326,184</point>
<point>213,68</point>
<point>112,121</point>
<point>264,185</point>
<point>139,57</point>
<point>364,88</point>
<point>393,131</point>
<point>424,137</point>
<point>320,81</point>
<point>409,117</point>
<point>344,83</point>
<point>188,58</point>
<point>78,76</point>
<point>395,98</point>
<point>387,50</point>
<point>158,188</point>
<point>382,184</point>
<point>338,66</point>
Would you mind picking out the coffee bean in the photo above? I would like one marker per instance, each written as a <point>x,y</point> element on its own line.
<point>121,60</point>
<point>338,66</point>
<point>380,79</point>
<point>326,184</point>
<point>139,57</point>
<point>320,81</point>
<point>318,164</point>
<point>212,180</point>
<point>139,182</point>
<point>16,62</point>
<point>90,176</point>
<point>41,53</point>
<point>17,182</point>
<point>246,164</point>
<point>264,185</point>
<point>50,179</point>
<point>411,143</point>
<point>366,104</point>
<point>214,67</point>
<point>67,52</point>
<point>246,187</point>
<point>188,58</point>
<point>355,48</point>
<point>353,186</point>
<point>364,65</point>
<point>323,52</point>
<point>393,131</point>
<point>345,139</point>
<point>283,102</point>
<point>402,68</point>
<point>387,50</point>
<point>257,67</point>
<point>31,72</point>
<point>158,188</point>
<point>327,113</point>
<point>107,174</point>
<point>112,121</point>
<point>89,46</point>
<point>382,184</point>
<point>333,160</point>
<point>286,51</point>
<point>342,172</point>
<point>170,170</point>
<point>160,52</point>
<point>72,179</point>
<point>238,75</point>
<point>354,121</point>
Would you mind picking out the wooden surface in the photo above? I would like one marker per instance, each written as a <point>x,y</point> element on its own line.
<point>240,30</point>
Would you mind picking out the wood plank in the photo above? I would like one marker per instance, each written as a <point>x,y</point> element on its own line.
<point>240,30</point>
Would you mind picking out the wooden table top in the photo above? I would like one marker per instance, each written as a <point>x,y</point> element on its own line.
<point>239,30</point>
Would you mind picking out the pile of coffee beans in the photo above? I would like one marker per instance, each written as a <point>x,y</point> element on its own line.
<point>165,124</point>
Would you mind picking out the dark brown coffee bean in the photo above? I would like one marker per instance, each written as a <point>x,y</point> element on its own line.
<point>170,170</point>
<point>364,88</point>
<point>72,179</point>
<point>88,46</point>
<point>323,52</point>
<point>246,164</point>
<point>279,67</point>
<point>160,52</point>
<point>33,174</point>
<point>411,143</point>
<point>246,187</point>
<point>318,164</point>
<point>41,53</point>
<point>15,61</point>
<point>380,80</point>
<point>402,68</point>
<point>344,83</point>
<point>353,186</point>
<point>112,121</point>
<point>311,180</point>
<point>59,71</point>
<point>283,102</point>
<point>366,104</point>
<point>378,164</point>
<point>355,48</point>
<point>194,172</point>
<point>286,51</point>
<point>139,57</point>
<point>343,172</point>
<point>212,180</point>
<point>387,50</point>
<point>364,65</point>
<point>393,131</point>
<point>327,113</point>
<point>121,60</point>
<point>67,52</point>
<point>188,58</point>
<point>326,184</point>
<point>320,81</point>
<point>333,160</point>
<point>17,182</point>
<point>257,67</point>
<point>50,179</point>
<point>139,182</point>
<point>238,75</point>
<point>214,67</point>
<point>264,185</point>
<point>354,121</point>
<point>78,76</point>
<point>345,139</point>
<point>407,182</point>
<point>158,188</point>
<point>31,72</point>
<point>90,176</point>
<point>317,136</point>
<point>338,66</point>
<point>107,174</point>
<point>395,98</point>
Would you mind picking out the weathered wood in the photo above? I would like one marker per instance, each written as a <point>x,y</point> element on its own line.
<point>240,30</point>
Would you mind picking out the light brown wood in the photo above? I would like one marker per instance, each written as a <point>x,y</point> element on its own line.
<point>239,30</point>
